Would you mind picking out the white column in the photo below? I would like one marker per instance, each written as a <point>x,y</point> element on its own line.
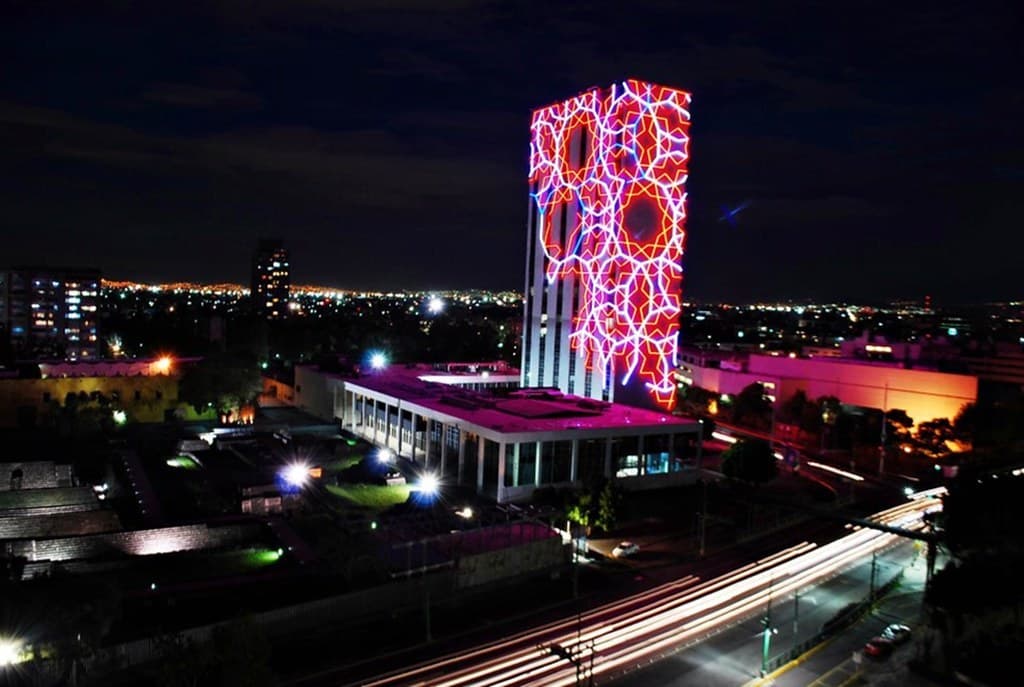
<point>444,446</point>
<point>641,462</point>
<point>398,426</point>
<point>501,473</point>
<point>462,455</point>
<point>515,464</point>
<point>375,422</point>
<point>480,444</point>
<point>427,441</point>
<point>536,466</point>
<point>574,465</point>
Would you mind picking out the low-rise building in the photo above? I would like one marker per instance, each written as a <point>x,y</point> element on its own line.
<point>475,430</point>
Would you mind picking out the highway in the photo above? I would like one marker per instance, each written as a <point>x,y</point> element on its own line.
<point>610,641</point>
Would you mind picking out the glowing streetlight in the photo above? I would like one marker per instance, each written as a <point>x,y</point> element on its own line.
<point>384,455</point>
<point>120,417</point>
<point>296,474</point>
<point>162,365</point>
<point>378,361</point>
<point>429,484</point>
<point>10,651</point>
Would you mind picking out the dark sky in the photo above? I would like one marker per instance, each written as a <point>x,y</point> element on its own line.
<point>386,140</point>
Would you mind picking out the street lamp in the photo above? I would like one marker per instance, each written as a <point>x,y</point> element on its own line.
<point>295,474</point>
<point>378,361</point>
<point>10,651</point>
<point>429,484</point>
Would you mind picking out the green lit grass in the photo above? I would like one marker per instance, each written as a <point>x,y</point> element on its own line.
<point>336,466</point>
<point>183,462</point>
<point>376,497</point>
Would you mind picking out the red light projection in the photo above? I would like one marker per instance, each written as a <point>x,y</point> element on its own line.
<point>626,199</point>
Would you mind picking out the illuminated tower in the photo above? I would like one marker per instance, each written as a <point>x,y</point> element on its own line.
<point>270,279</point>
<point>607,216</point>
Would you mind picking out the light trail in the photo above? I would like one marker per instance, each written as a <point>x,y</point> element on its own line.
<point>633,630</point>
<point>835,471</point>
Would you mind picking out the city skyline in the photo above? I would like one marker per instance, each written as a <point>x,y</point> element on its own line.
<point>831,160</point>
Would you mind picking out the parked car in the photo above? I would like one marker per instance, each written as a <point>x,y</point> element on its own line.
<point>896,633</point>
<point>878,647</point>
<point>625,549</point>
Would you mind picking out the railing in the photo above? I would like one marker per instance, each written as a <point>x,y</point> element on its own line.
<point>844,619</point>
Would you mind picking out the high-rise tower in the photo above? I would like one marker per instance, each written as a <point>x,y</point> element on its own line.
<point>608,171</point>
<point>51,312</point>
<point>270,279</point>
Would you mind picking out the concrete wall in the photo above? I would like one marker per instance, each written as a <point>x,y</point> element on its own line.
<point>59,524</point>
<point>38,474</point>
<point>314,391</point>
<point>489,566</point>
<point>136,543</point>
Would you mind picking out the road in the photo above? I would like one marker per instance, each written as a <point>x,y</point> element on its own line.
<point>618,638</point>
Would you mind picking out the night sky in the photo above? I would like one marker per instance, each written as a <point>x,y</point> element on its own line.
<point>386,141</point>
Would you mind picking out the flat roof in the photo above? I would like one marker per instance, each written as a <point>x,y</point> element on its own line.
<point>522,411</point>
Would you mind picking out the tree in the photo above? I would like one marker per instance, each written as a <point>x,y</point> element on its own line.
<point>791,411</point>
<point>581,510</point>
<point>898,423</point>
<point>750,460</point>
<point>608,506</point>
<point>223,382</point>
<point>696,400</point>
<point>752,407</point>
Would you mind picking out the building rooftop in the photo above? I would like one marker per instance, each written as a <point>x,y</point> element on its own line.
<point>512,412</point>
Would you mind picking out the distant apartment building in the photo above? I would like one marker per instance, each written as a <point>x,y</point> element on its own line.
<point>51,312</point>
<point>271,279</point>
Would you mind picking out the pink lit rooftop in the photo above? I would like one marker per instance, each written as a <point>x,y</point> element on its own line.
<point>508,412</point>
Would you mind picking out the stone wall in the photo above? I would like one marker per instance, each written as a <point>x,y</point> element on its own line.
<point>136,542</point>
<point>41,474</point>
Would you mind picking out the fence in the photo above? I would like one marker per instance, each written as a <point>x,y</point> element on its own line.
<point>848,616</point>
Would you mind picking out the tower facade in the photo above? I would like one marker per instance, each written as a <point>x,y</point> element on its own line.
<point>51,312</point>
<point>271,279</point>
<point>607,215</point>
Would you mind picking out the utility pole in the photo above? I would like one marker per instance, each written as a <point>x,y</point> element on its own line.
<point>881,449</point>
<point>871,594</point>
<point>703,519</point>
<point>427,613</point>
<point>796,613</point>
<point>766,623</point>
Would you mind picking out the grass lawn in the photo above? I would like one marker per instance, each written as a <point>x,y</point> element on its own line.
<point>335,466</point>
<point>377,497</point>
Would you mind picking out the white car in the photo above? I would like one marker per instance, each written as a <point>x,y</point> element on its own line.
<point>625,549</point>
<point>896,633</point>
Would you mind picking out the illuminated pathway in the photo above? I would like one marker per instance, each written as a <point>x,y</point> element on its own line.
<point>618,636</point>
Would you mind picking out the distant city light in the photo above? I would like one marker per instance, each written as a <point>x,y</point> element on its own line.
<point>465,512</point>
<point>296,474</point>
<point>435,305</point>
<point>378,361</point>
<point>952,331</point>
